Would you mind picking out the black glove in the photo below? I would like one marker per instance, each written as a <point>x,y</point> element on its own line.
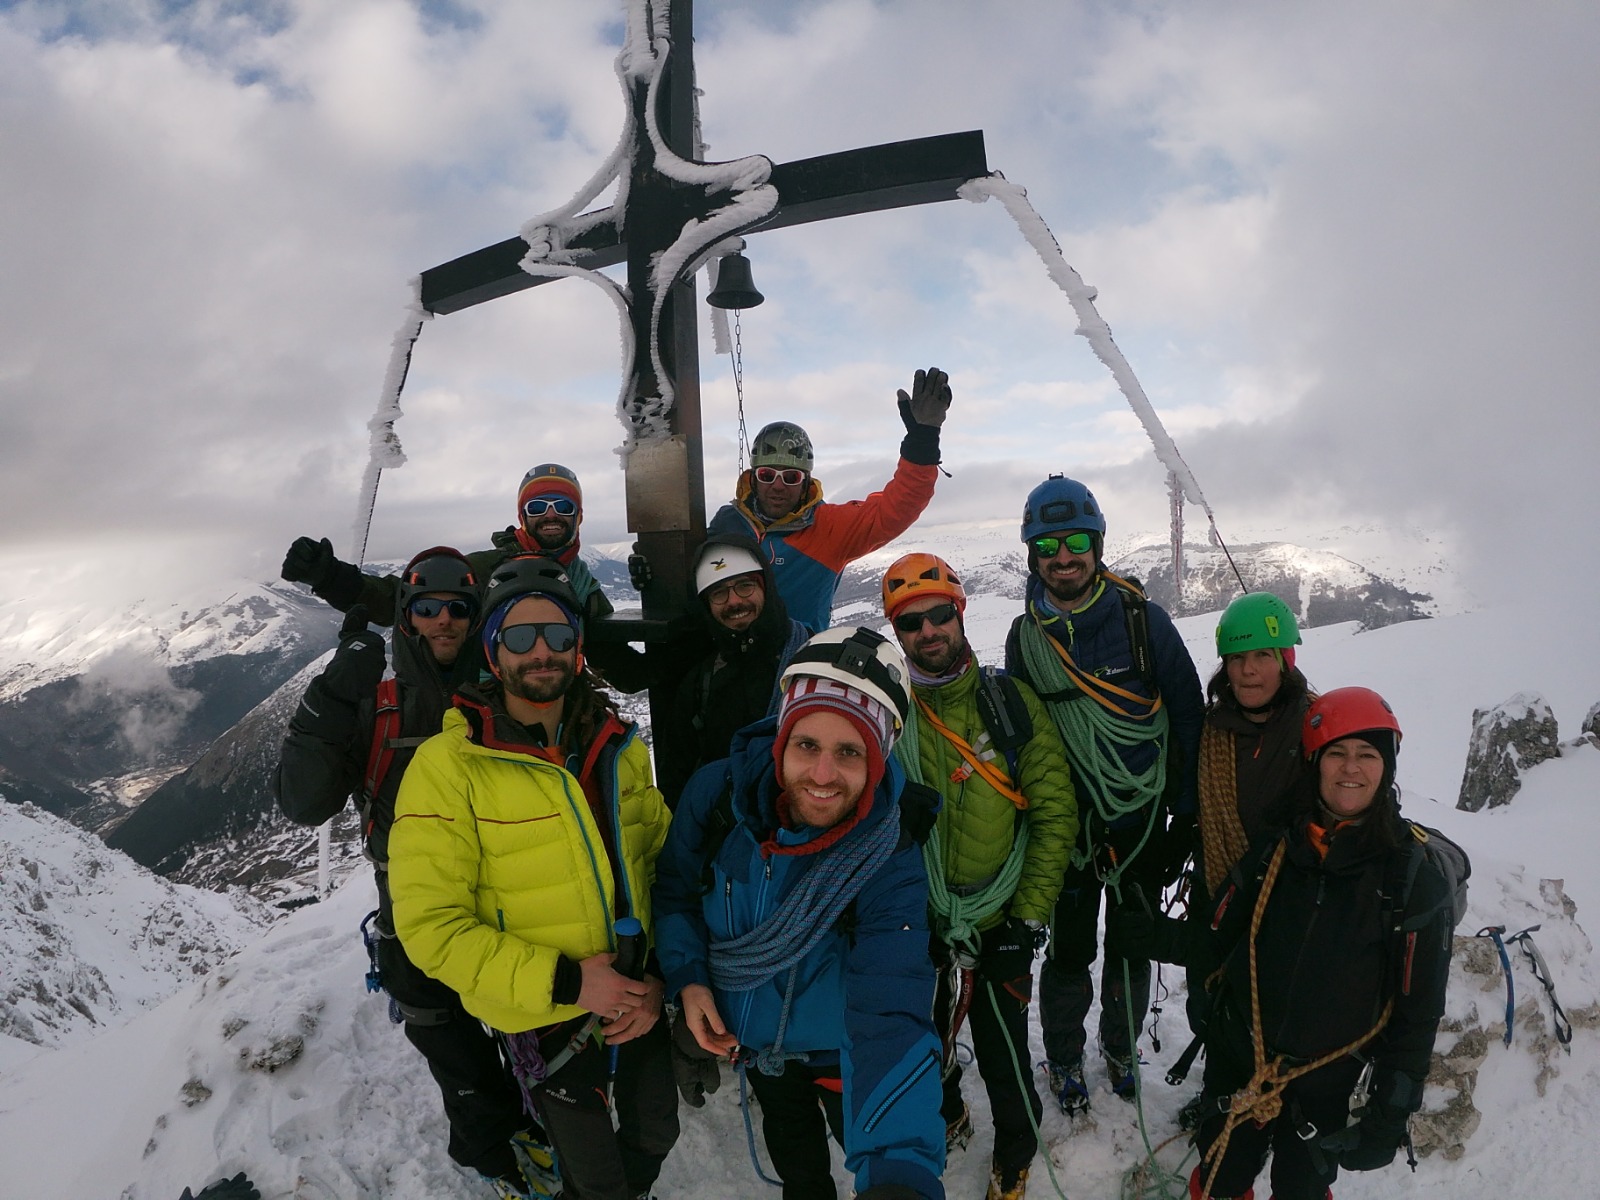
<point>1372,1142</point>
<point>237,1188</point>
<point>1006,957</point>
<point>357,664</point>
<point>312,563</point>
<point>696,1072</point>
<point>1178,846</point>
<point>1135,931</point>
<point>923,412</point>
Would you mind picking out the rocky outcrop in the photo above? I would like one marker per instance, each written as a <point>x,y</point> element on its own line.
<point>1474,1026</point>
<point>1506,740</point>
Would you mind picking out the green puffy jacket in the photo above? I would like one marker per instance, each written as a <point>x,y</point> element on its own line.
<point>976,822</point>
<point>497,866</point>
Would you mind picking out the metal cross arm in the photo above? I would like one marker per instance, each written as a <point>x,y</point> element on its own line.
<point>871,179</point>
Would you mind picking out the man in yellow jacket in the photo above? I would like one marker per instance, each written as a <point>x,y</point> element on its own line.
<point>524,845</point>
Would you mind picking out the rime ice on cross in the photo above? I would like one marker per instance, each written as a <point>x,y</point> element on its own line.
<point>670,214</point>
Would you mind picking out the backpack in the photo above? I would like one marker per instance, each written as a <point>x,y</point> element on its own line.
<point>386,740</point>
<point>1451,861</point>
<point>1005,716</point>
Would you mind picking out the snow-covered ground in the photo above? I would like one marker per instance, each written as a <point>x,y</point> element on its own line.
<point>281,1065</point>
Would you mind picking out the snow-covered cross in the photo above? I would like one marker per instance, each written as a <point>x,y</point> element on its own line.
<point>671,213</point>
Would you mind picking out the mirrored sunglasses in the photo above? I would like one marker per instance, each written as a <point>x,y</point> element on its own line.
<point>520,639</point>
<point>1076,543</point>
<point>537,507</point>
<point>939,614</point>
<point>428,607</point>
<point>790,476</point>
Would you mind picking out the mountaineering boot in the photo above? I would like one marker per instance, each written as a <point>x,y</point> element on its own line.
<point>1068,1087</point>
<point>1193,1112</point>
<point>1120,1072</point>
<point>1007,1186</point>
<point>958,1133</point>
<point>1197,1183</point>
<point>537,1160</point>
<point>506,1189</point>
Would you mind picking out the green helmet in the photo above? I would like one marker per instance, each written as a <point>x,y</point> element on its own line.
<point>1257,621</point>
<point>782,444</point>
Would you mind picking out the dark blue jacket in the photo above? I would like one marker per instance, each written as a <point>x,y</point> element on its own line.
<point>1097,640</point>
<point>863,996</point>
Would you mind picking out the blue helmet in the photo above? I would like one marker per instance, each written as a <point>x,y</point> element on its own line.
<point>1060,503</point>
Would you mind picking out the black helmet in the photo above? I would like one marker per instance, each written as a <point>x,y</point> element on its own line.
<point>437,569</point>
<point>530,575</point>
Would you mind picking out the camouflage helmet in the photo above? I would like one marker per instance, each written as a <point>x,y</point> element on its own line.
<point>782,444</point>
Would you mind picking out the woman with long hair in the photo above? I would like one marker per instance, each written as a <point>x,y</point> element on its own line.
<point>1323,1020</point>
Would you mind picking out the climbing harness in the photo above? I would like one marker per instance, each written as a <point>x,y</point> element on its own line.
<point>1261,1098</point>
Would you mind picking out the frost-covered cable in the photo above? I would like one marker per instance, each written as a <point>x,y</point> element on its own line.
<point>1091,325</point>
<point>384,444</point>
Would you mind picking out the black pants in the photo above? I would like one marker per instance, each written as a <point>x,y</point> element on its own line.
<point>482,1102</point>
<point>998,1025</point>
<point>1300,1170</point>
<point>1066,989</point>
<point>798,1108</point>
<point>600,1161</point>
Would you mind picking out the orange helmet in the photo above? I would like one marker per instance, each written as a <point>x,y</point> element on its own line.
<point>915,575</point>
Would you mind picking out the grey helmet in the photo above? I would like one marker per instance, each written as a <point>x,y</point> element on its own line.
<point>782,444</point>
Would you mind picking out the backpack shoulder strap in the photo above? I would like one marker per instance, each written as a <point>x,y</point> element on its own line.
<point>1136,619</point>
<point>1005,715</point>
<point>719,824</point>
<point>385,735</point>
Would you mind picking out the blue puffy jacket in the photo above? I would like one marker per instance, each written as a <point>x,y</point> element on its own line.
<point>863,998</point>
<point>1097,639</point>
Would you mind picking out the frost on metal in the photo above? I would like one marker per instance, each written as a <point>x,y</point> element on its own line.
<point>1091,325</point>
<point>384,444</point>
<point>642,61</point>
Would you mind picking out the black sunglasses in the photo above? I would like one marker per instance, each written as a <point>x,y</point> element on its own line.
<point>428,607</point>
<point>939,614</point>
<point>520,639</point>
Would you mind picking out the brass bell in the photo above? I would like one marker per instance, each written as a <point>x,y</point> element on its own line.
<point>734,288</point>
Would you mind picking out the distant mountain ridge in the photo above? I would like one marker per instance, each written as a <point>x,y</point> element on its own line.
<point>204,695</point>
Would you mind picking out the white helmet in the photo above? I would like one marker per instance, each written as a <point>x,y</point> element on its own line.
<point>861,658</point>
<point>719,561</point>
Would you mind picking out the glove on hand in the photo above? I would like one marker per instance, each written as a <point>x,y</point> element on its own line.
<point>237,1188</point>
<point>1134,931</point>
<point>309,562</point>
<point>928,402</point>
<point>696,1073</point>
<point>1007,953</point>
<point>312,563</point>
<point>1180,843</point>
<point>357,664</point>
<point>1371,1143</point>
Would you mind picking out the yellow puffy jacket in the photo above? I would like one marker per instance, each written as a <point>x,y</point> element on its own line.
<point>497,867</point>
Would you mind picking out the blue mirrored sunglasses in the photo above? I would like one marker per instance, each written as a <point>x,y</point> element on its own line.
<point>428,607</point>
<point>537,507</point>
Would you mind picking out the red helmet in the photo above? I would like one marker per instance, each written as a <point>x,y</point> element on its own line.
<point>1343,713</point>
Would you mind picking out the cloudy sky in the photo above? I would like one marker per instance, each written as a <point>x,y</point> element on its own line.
<point>1351,251</point>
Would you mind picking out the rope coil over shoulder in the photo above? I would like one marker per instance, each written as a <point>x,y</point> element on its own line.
<point>1261,1098</point>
